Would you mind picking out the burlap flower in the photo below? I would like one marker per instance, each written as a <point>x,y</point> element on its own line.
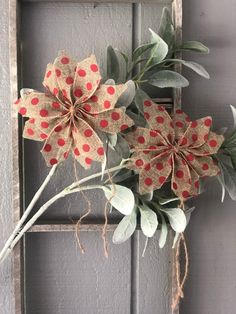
<point>74,107</point>
<point>173,146</point>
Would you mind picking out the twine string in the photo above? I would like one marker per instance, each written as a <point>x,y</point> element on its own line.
<point>180,282</point>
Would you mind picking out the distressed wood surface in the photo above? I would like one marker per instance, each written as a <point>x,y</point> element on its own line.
<point>9,185</point>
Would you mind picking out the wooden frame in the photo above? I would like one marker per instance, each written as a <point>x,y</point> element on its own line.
<point>18,260</point>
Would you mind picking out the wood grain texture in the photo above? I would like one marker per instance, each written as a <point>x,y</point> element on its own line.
<point>9,184</point>
<point>211,233</point>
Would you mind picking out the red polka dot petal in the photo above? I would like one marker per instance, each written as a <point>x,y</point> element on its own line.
<point>148,181</point>
<point>115,116</point>
<point>53,161</point>
<point>111,90</point>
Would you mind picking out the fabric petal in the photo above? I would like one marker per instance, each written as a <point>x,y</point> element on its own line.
<point>57,146</point>
<point>196,133</point>
<point>87,146</point>
<point>203,165</point>
<point>181,121</point>
<point>143,138</point>
<point>158,119</point>
<point>86,80</point>
<point>210,147</point>
<point>104,98</point>
<point>39,105</point>
<point>59,77</point>
<point>112,121</point>
<point>154,174</point>
<point>32,132</point>
<point>181,182</point>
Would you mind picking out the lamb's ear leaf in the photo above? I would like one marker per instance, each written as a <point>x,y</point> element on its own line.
<point>166,29</point>
<point>227,178</point>
<point>196,67</point>
<point>149,220</point>
<point>120,197</point>
<point>176,218</point>
<point>127,96</point>
<point>193,45</point>
<point>113,67</point>
<point>125,228</point>
<point>167,78</point>
<point>139,51</point>
<point>163,232</point>
<point>160,50</point>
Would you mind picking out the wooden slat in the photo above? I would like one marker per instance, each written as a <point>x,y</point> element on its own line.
<point>70,227</point>
<point>177,18</point>
<point>105,1</point>
<point>17,256</point>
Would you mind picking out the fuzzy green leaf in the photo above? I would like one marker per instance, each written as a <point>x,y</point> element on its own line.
<point>140,96</point>
<point>198,68</point>
<point>166,29</point>
<point>177,218</point>
<point>193,45</point>
<point>121,198</point>
<point>113,67</point>
<point>164,232</point>
<point>227,178</point>
<point>127,96</point>
<point>160,50</point>
<point>125,228</point>
<point>149,220</point>
<point>138,52</point>
<point>167,78</point>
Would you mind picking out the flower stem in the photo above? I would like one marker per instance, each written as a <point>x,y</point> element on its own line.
<point>73,188</point>
<point>27,211</point>
<point>42,209</point>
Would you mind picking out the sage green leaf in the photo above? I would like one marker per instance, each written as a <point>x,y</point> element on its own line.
<point>230,142</point>
<point>160,50</point>
<point>166,29</point>
<point>125,228</point>
<point>121,198</point>
<point>137,118</point>
<point>227,178</point>
<point>121,175</point>
<point>113,67</point>
<point>125,57</point>
<point>148,221</point>
<point>122,147</point>
<point>176,218</point>
<point>163,232</point>
<point>167,78</point>
<point>233,109</point>
<point>110,82</point>
<point>195,46</point>
<point>112,140</point>
<point>140,96</point>
<point>127,96</point>
<point>138,52</point>
<point>199,69</point>
<point>233,160</point>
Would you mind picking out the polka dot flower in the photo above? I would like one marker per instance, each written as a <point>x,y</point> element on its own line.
<point>74,107</point>
<point>173,147</point>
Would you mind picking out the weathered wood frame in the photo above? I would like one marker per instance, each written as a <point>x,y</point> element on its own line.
<point>18,260</point>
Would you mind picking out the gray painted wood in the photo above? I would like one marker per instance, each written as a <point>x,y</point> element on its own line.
<point>9,188</point>
<point>211,234</point>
